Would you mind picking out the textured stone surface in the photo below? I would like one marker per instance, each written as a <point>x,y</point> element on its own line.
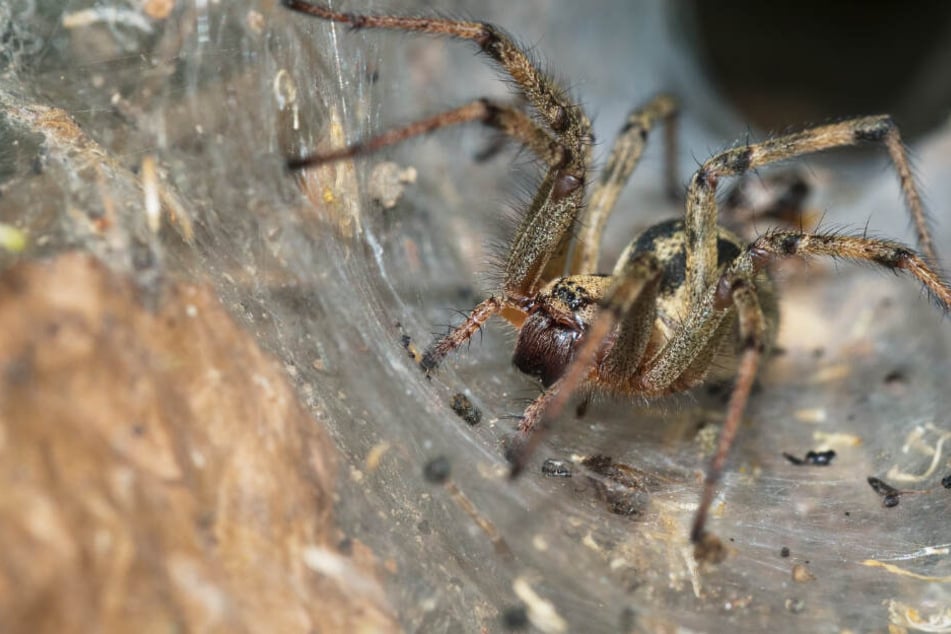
<point>157,472</point>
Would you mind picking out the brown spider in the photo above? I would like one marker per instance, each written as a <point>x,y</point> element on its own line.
<point>679,294</point>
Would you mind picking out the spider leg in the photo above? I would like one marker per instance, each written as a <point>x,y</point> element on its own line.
<point>628,308</point>
<point>733,288</point>
<point>545,229</point>
<point>889,254</point>
<point>624,157</point>
<point>685,358</point>
<point>743,295</point>
<point>461,333</point>
<point>544,232</point>
<point>509,120</point>
<point>559,113</point>
<point>701,218</point>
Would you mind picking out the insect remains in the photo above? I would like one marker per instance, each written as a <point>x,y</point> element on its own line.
<point>685,297</point>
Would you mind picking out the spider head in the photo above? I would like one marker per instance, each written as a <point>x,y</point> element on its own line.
<point>558,316</point>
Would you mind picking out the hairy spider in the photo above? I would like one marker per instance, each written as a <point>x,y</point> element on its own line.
<point>684,296</point>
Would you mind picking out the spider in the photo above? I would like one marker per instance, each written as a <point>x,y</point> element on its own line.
<point>684,297</point>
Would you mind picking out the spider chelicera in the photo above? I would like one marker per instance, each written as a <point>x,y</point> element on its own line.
<point>684,296</point>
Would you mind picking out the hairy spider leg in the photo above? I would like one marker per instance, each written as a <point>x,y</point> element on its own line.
<point>735,286</point>
<point>545,229</point>
<point>701,195</point>
<point>743,296</point>
<point>538,249</point>
<point>623,159</point>
<point>509,120</point>
<point>886,253</point>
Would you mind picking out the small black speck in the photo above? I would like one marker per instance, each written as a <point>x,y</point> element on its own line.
<point>793,459</point>
<point>629,619</point>
<point>511,448</point>
<point>890,500</point>
<point>813,458</point>
<point>556,468</point>
<point>437,470</point>
<point>881,487</point>
<point>716,389</point>
<point>143,257</point>
<point>784,551</point>
<point>515,617</point>
<point>424,528</point>
<point>405,340</point>
<point>820,458</point>
<point>895,377</point>
<point>848,513</point>
<point>946,481</point>
<point>464,408</point>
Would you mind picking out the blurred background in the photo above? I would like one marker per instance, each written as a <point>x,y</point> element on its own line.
<point>152,135</point>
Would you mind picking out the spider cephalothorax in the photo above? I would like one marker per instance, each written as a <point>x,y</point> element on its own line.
<point>685,295</point>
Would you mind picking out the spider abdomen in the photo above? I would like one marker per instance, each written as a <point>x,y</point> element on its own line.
<point>667,242</point>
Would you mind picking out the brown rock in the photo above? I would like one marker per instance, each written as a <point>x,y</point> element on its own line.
<point>157,472</point>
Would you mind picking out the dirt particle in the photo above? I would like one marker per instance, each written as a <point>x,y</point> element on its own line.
<point>464,409</point>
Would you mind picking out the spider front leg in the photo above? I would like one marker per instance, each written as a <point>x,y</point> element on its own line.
<point>624,157</point>
<point>566,119</point>
<point>701,221</point>
<point>561,137</point>
<point>460,334</point>
<point>508,120</point>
